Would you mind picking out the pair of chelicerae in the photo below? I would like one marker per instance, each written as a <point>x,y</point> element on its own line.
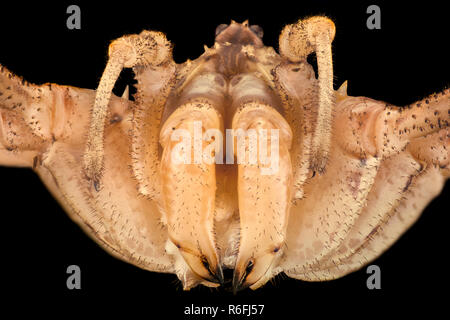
<point>352,173</point>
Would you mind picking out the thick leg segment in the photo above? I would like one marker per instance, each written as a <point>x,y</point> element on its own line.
<point>147,48</point>
<point>189,185</point>
<point>366,127</point>
<point>404,184</point>
<point>33,117</point>
<point>427,185</point>
<point>153,87</point>
<point>393,176</point>
<point>264,191</point>
<point>297,41</point>
<point>400,125</point>
<point>433,150</point>
<point>25,114</point>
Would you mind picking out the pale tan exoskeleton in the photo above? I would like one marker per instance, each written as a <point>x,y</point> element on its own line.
<point>352,173</point>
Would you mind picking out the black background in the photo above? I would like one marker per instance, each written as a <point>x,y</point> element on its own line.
<point>403,62</point>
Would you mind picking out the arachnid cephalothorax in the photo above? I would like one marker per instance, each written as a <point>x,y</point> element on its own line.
<point>313,182</point>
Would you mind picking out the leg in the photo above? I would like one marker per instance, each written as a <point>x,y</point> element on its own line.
<point>20,138</point>
<point>148,48</point>
<point>400,126</point>
<point>153,87</point>
<point>296,43</point>
<point>433,150</point>
<point>407,182</point>
<point>412,171</point>
<point>425,187</point>
<point>264,191</point>
<point>32,117</point>
<point>366,127</point>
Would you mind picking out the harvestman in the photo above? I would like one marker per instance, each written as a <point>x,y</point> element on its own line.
<point>354,173</point>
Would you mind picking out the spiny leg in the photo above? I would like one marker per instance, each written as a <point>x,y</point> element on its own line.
<point>414,143</point>
<point>25,110</point>
<point>426,186</point>
<point>298,92</point>
<point>264,191</point>
<point>297,41</point>
<point>382,130</point>
<point>189,185</point>
<point>147,48</point>
<point>427,159</point>
<point>384,219</point>
<point>398,127</point>
<point>433,150</point>
<point>153,88</point>
<point>32,117</point>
